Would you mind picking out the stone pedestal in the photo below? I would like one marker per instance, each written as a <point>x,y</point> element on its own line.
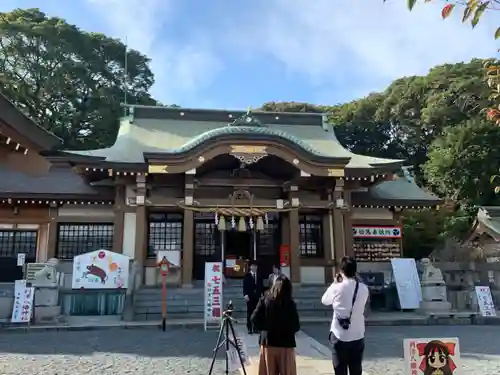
<point>434,296</point>
<point>430,306</point>
<point>46,303</point>
<point>47,308</point>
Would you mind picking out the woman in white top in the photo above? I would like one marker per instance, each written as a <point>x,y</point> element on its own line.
<point>348,297</point>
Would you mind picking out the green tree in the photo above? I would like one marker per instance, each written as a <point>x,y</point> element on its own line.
<point>472,12</point>
<point>428,229</point>
<point>404,120</point>
<point>462,162</point>
<point>68,80</point>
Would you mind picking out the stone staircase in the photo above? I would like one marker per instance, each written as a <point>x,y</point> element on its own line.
<point>184,303</point>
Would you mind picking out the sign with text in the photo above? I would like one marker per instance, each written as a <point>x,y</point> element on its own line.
<point>376,232</point>
<point>407,283</point>
<point>485,301</point>
<point>213,293</point>
<point>436,356</point>
<point>23,302</point>
<point>101,269</point>
<point>233,357</point>
<point>21,259</point>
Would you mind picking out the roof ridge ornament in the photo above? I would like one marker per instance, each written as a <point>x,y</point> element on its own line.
<point>248,119</point>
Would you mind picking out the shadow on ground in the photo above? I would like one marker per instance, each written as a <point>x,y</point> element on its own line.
<point>387,342</point>
<point>147,342</point>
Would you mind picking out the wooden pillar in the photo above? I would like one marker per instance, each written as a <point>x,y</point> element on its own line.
<point>293,218</point>
<point>349,246</point>
<point>188,234</point>
<point>140,234</point>
<point>399,221</point>
<point>119,219</point>
<point>141,212</point>
<point>285,229</point>
<point>328,246</point>
<point>53,229</point>
<point>188,248</point>
<point>338,222</point>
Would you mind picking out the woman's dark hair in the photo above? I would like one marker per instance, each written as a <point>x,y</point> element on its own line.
<point>281,291</point>
<point>348,266</point>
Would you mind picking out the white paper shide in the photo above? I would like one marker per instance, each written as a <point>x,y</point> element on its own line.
<point>100,269</point>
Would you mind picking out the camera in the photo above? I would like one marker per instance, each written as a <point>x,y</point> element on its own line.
<point>229,308</point>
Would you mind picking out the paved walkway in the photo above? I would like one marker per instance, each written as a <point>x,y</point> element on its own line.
<point>313,358</point>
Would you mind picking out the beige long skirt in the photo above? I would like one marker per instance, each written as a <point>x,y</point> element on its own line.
<point>277,361</point>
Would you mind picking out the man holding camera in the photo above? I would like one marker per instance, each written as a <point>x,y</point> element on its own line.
<point>348,297</point>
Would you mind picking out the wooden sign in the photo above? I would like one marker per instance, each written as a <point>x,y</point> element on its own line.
<point>432,356</point>
<point>376,232</point>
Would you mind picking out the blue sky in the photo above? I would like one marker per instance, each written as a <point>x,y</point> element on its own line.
<point>240,53</point>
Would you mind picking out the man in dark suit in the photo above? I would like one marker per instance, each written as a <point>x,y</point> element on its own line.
<point>252,291</point>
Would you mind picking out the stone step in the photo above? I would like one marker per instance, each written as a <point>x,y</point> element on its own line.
<point>188,303</point>
<point>235,300</point>
<point>237,303</point>
<point>200,310</point>
<point>238,315</point>
<point>178,294</point>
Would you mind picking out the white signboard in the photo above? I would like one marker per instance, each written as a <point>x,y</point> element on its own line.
<point>23,302</point>
<point>233,357</point>
<point>376,232</point>
<point>485,301</point>
<point>213,293</point>
<point>100,269</point>
<point>436,356</point>
<point>407,283</point>
<point>21,259</point>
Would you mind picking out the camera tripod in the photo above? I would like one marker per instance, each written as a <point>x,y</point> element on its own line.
<point>224,340</point>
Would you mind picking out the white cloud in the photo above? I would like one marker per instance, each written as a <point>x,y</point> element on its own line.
<point>181,67</point>
<point>366,39</point>
<point>361,45</point>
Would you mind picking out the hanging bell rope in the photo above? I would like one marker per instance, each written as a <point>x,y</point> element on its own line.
<point>222,224</point>
<point>260,224</point>
<point>242,226</point>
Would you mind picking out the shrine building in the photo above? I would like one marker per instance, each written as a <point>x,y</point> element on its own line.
<point>205,185</point>
<point>21,141</point>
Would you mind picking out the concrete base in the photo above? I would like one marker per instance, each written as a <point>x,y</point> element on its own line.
<point>429,306</point>
<point>46,296</point>
<point>44,314</point>
<point>6,304</point>
<point>187,286</point>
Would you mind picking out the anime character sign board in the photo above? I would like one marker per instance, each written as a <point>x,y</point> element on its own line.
<point>432,356</point>
<point>100,269</point>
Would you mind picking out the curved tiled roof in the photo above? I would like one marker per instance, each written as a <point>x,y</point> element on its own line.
<point>174,135</point>
<point>244,130</point>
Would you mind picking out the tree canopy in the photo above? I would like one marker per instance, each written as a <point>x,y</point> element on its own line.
<point>436,123</point>
<point>462,161</point>
<point>68,80</point>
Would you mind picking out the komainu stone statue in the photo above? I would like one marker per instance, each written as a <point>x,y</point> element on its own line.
<point>434,296</point>
<point>47,277</point>
<point>46,283</point>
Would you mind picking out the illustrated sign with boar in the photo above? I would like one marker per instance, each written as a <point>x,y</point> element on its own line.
<point>101,269</point>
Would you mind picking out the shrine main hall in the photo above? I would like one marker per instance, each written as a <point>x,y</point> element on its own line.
<point>209,185</point>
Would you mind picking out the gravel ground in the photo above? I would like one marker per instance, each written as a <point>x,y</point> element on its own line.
<point>479,346</point>
<point>108,352</point>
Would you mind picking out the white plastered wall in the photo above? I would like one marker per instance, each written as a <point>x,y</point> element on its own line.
<point>129,226</point>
